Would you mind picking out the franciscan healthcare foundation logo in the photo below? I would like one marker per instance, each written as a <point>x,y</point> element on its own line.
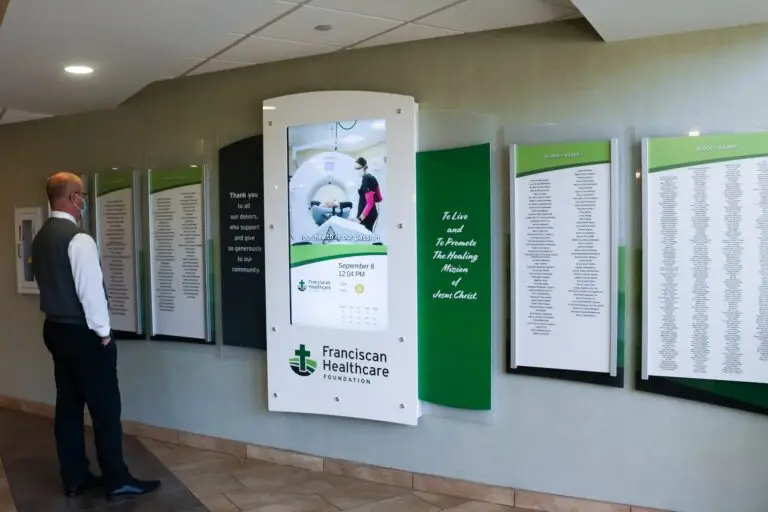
<point>301,364</point>
<point>342,365</point>
<point>302,285</point>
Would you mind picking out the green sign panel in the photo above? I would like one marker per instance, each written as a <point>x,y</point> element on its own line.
<point>112,181</point>
<point>538,158</point>
<point>168,179</point>
<point>677,152</point>
<point>453,191</point>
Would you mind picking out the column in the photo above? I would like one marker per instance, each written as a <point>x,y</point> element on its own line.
<point>701,242</point>
<point>668,297</point>
<point>540,247</point>
<point>761,330</point>
<point>733,250</point>
<point>189,243</point>
<point>587,297</point>
<point>165,254</point>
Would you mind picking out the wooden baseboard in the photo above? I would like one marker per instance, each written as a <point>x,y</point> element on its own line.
<point>536,501</point>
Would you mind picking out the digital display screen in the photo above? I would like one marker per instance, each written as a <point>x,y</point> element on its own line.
<point>337,200</point>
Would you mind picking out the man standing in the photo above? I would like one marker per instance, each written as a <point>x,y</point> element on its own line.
<point>77,333</point>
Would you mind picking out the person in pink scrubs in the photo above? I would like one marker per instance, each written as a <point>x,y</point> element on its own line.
<point>369,195</point>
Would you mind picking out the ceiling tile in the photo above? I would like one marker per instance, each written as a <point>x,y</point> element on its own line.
<point>159,20</point>
<point>403,10</point>
<point>129,48</point>
<point>213,65</point>
<point>409,32</point>
<point>258,50</point>
<point>478,15</point>
<point>346,29</point>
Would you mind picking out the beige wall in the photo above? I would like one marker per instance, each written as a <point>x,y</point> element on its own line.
<point>560,437</point>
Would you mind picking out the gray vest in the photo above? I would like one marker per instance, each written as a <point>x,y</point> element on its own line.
<point>53,272</point>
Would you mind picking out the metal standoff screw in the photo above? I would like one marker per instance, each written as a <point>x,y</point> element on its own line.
<point>399,111</point>
<point>402,406</point>
<point>401,339</point>
<point>337,399</point>
<point>274,329</point>
<point>274,395</point>
<point>270,123</point>
<point>271,226</point>
<point>399,226</point>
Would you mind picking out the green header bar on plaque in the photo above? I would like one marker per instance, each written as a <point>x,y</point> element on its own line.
<point>673,153</point>
<point>167,179</point>
<point>538,158</point>
<point>112,181</point>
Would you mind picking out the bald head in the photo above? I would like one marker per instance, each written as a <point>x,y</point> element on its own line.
<point>63,189</point>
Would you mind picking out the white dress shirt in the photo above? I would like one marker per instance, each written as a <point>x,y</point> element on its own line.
<point>89,281</point>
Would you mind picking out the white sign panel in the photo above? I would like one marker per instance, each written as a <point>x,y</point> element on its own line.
<point>179,273</point>
<point>705,255</point>
<point>116,234</point>
<point>28,222</point>
<point>565,260</point>
<point>341,255</point>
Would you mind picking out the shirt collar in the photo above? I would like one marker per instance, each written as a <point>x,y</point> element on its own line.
<point>63,215</point>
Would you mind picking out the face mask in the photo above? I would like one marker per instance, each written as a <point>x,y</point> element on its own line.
<point>83,208</point>
<point>358,168</point>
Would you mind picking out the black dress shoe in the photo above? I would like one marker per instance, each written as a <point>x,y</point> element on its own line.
<point>134,487</point>
<point>91,481</point>
<point>71,492</point>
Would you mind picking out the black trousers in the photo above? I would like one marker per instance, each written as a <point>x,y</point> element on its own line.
<point>86,373</point>
<point>370,220</point>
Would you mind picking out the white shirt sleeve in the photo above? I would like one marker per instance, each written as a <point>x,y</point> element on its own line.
<point>89,283</point>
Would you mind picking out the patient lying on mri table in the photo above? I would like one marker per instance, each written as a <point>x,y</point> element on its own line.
<point>321,212</point>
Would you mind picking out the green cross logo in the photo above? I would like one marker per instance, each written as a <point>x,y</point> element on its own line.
<point>302,285</point>
<point>302,365</point>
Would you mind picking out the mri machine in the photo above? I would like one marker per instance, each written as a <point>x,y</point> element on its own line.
<point>323,196</point>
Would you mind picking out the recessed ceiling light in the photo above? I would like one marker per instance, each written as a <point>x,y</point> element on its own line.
<point>79,70</point>
<point>323,28</point>
<point>268,107</point>
<point>694,133</point>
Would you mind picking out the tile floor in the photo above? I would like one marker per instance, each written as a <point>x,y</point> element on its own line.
<point>28,455</point>
<point>226,484</point>
<point>196,481</point>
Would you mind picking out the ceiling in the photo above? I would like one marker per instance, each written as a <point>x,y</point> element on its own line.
<point>132,43</point>
<point>348,136</point>
<point>618,20</point>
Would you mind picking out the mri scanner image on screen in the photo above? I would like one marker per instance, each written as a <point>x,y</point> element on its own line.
<point>337,183</point>
<point>337,201</point>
